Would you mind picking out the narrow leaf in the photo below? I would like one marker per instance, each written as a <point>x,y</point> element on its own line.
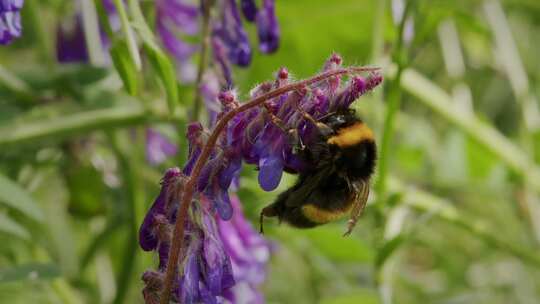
<point>125,66</point>
<point>388,249</point>
<point>14,196</point>
<point>9,226</point>
<point>165,69</point>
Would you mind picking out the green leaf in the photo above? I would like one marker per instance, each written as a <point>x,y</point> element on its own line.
<point>124,65</point>
<point>29,272</point>
<point>14,196</point>
<point>9,226</point>
<point>166,72</point>
<point>69,124</point>
<point>388,248</point>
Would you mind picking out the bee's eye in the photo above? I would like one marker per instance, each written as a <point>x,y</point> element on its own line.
<point>336,121</point>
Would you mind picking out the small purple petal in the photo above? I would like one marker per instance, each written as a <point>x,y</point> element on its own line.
<point>10,5</point>
<point>10,24</point>
<point>249,9</point>
<point>271,170</point>
<point>191,278</point>
<point>222,203</point>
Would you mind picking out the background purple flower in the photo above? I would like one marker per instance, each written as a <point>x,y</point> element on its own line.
<point>158,147</point>
<point>10,20</point>
<point>70,42</point>
<point>178,19</point>
<point>250,254</point>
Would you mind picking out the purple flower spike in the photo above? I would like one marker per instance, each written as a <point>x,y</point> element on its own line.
<point>10,20</point>
<point>249,9</point>
<point>230,30</point>
<point>267,27</point>
<point>158,147</point>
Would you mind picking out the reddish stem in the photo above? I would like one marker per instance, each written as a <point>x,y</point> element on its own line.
<point>189,187</point>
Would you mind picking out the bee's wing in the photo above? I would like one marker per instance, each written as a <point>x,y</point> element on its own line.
<point>361,194</point>
<point>304,188</point>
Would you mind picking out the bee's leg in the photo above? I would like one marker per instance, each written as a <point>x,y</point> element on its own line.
<point>323,128</point>
<point>268,211</point>
<point>361,191</point>
<point>291,133</point>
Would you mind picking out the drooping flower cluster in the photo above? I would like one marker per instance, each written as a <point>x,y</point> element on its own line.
<point>10,20</point>
<point>178,19</point>
<point>216,255</point>
<point>252,136</point>
<point>207,270</point>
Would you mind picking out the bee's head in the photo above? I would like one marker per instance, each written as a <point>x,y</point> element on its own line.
<point>340,119</point>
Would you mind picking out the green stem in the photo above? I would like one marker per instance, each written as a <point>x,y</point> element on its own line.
<point>92,37</point>
<point>73,124</point>
<point>203,59</point>
<point>394,102</point>
<point>426,202</point>
<point>439,101</point>
<point>80,123</point>
<point>132,200</point>
<point>38,28</point>
<point>129,34</point>
<point>16,85</point>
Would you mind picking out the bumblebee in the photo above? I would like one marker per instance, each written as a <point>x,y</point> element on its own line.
<point>342,159</point>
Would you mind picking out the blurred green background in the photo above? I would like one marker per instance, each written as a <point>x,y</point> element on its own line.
<point>456,219</point>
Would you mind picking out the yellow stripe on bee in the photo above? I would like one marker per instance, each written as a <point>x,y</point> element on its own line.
<point>321,216</point>
<point>351,135</point>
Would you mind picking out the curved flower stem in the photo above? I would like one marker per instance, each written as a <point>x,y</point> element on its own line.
<point>205,154</point>
<point>203,59</point>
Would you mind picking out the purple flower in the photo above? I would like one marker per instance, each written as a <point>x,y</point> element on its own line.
<point>70,42</point>
<point>153,223</point>
<point>249,253</point>
<point>10,20</point>
<point>218,255</point>
<point>70,39</point>
<point>249,9</point>
<point>230,31</point>
<point>158,147</point>
<point>267,27</point>
<point>206,267</point>
<point>178,19</point>
<point>177,16</point>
